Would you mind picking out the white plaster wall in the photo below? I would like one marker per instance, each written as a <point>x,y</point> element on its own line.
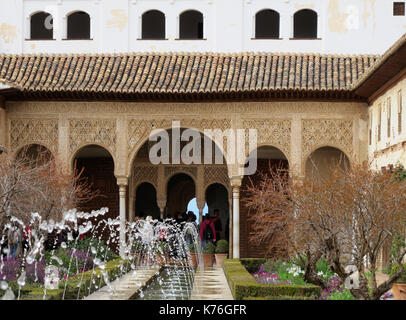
<point>393,151</point>
<point>345,26</point>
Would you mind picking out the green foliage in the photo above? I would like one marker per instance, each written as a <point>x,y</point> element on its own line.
<point>252,264</point>
<point>344,295</point>
<point>222,246</point>
<point>399,173</point>
<point>192,248</point>
<point>287,271</point>
<point>136,247</point>
<point>162,247</point>
<point>77,286</point>
<point>395,269</point>
<point>103,252</point>
<point>210,248</point>
<point>398,243</point>
<point>386,270</point>
<point>243,284</point>
<point>323,266</point>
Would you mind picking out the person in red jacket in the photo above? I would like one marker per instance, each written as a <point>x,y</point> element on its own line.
<point>207,231</point>
<point>217,223</point>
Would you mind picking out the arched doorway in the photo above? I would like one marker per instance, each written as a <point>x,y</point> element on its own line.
<point>321,160</point>
<point>217,199</point>
<point>177,179</point>
<point>180,190</point>
<point>145,201</point>
<point>98,169</point>
<point>268,158</point>
<point>35,153</point>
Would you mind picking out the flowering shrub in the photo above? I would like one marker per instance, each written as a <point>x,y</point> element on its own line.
<point>266,277</point>
<point>282,272</point>
<point>295,270</point>
<point>287,272</point>
<point>335,285</point>
<point>387,296</point>
<point>35,272</point>
<point>71,261</point>
<point>97,248</point>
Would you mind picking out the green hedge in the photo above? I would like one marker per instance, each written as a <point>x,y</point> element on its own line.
<point>244,285</point>
<point>77,287</point>
<point>252,264</point>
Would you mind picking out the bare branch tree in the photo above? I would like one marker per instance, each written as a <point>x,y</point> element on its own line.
<point>345,217</point>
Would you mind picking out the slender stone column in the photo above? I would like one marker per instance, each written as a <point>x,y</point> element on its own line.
<point>236,184</point>
<point>131,209</point>
<point>161,204</point>
<point>200,205</point>
<point>3,125</point>
<point>122,183</point>
<point>230,226</point>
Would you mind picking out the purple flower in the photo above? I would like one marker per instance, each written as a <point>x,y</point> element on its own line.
<point>10,270</point>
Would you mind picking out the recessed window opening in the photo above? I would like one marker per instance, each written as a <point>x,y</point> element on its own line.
<point>267,24</point>
<point>41,26</point>
<point>305,24</point>
<point>153,25</point>
<point>78,25</point>
<point>191,25</point>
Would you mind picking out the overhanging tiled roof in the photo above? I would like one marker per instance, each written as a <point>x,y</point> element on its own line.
<point>384,70</point>
<point>182,73</point>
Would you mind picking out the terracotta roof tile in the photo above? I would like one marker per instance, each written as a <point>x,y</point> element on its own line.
<point>187,73</point>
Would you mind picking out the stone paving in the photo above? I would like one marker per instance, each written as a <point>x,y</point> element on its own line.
<point>211,284</point>
<point>124,287</point>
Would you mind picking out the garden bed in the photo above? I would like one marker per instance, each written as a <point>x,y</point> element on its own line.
<point>77,286</point>
<point>244,286</point>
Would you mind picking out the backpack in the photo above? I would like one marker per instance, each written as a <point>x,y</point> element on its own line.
<point>217,224</point>
<point>208,232</point>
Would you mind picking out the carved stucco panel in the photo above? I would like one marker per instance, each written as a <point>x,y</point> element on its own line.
<point>172,170</point>
<point>216,174</point>
<point>139,130</point>
<point>276,133</point>
<point>34,131</point>
<point>145,174</point>
<point>335,133</point>
<point>92,131</point>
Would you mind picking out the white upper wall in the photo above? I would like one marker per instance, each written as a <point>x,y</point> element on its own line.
<point>344,26</point>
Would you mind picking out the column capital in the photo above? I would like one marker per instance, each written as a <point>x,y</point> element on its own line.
<point>298,180</point>
<point>236,181</point>
<point>161,203</point>
<point>122,181</point>
<point>200,203</point>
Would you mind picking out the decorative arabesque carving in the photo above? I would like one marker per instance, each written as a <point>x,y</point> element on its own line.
<point>274,133</point>
<point>89,131</point>
<point>30,131</point>
<point>336,133</point>
<point>216,174</point>
<point>172,170</point>
<point>146,174</point>
<point>139,130</point>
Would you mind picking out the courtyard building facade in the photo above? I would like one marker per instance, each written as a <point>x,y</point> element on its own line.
<point>96,109</point>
